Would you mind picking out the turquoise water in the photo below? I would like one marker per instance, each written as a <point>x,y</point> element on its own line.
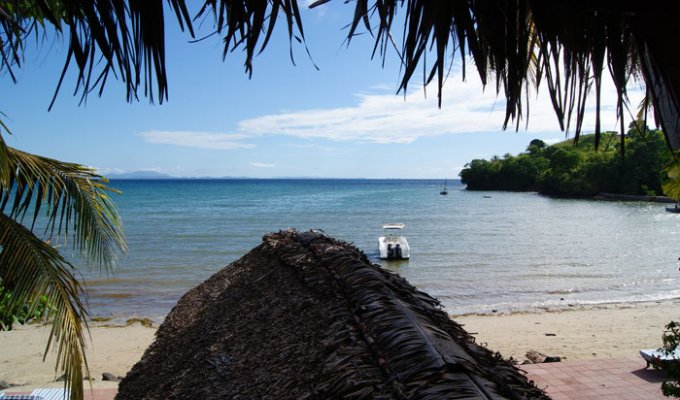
<point>474,251</point>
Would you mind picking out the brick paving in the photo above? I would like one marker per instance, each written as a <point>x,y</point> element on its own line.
<point>613,378</point>
<point>94,394</point>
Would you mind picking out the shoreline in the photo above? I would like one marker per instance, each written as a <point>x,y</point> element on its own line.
<point>613,305</point>
<point>612,330</point>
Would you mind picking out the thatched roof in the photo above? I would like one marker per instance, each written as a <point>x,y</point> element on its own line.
<point>305,316</point>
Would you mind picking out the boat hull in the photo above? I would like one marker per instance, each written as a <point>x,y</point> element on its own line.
<point>394,248</point>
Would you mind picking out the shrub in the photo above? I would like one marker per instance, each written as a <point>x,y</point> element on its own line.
<point>20,314</point>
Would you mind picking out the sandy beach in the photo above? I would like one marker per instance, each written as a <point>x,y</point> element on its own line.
<point>575,333</point>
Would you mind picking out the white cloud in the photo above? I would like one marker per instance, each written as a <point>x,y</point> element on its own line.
<point>262,165</point>
<point>384,118</point>
<point>202,140</point>
<point>388,118</point>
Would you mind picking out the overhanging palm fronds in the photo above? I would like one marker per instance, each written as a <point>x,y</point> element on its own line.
<point>568,44</point>
<point>119,37</point>
<point>245,22</point>
<point>571,45</point>
<point>75,204</point>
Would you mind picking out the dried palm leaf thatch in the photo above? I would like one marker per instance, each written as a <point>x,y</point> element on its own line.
<point>306,316</point>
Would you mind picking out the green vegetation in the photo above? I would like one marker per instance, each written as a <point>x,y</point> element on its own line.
<point>671,340</point>
<point>579,170</point>
<point>145,322</point>
<point>11,313</point>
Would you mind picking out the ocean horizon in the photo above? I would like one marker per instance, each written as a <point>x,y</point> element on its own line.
<point>474,251</point>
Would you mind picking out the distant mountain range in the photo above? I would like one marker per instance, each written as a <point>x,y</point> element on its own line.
<point>159,175</point>
<point>141,175</point>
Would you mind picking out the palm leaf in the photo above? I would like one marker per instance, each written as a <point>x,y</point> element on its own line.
<point>4,158</point>
<point>31,268</point>
<point>75,199</point>
<point>671,187</point>
<point>125,38</point>
<point>243,23</point>
<point>75,204</point>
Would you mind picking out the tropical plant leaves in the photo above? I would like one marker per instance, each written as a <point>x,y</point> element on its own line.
<point>125,38</point>
<point>517,43</point>
<point>672,186</point>
<point>76,200</point>
<point>65,200</point>
<point>31,268</point>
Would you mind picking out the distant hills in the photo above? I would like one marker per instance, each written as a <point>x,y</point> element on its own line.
<point>141,175</point>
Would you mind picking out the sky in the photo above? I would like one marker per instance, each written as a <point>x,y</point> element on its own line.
<point>344,120</point>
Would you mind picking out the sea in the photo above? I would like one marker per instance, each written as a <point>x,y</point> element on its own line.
<point>476,252</point>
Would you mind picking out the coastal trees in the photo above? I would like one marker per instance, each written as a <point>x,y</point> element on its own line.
<point>567,170</point>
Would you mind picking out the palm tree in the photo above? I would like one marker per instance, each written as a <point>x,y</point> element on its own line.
<point>515,45</point>
<point>76,203</point>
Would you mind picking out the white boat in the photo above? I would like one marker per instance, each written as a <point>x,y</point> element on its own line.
<point>392,245</point>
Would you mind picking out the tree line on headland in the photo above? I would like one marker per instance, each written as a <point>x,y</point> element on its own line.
<point>566,169</point>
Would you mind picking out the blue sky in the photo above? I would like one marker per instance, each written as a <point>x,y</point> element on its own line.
<point>344,120</point>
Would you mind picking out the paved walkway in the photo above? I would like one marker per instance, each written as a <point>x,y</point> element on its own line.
<point>614,378</point>
<point>620,379</point>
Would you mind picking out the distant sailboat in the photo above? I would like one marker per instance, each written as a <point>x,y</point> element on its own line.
<point>444,191</point>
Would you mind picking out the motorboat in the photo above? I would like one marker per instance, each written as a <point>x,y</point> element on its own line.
<point>392,245</point>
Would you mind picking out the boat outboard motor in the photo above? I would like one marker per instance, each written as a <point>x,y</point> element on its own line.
<point>397,251</point>
<point>390,251</point>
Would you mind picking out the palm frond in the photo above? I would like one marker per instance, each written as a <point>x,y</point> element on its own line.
<point>244,23</point>
<point>4,158</point>
<point>31,268</point>
<point>75,201</point>
<point>671,187</point>
<point>75,204</point>
<point>120,37</point>
<point>571,46</point>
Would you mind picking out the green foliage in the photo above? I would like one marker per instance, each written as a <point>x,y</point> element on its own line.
<point>671,340</point>
<point>579,170</point>
<point>23,313</point>
<point>672,186</point>
<point>73,206</point>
